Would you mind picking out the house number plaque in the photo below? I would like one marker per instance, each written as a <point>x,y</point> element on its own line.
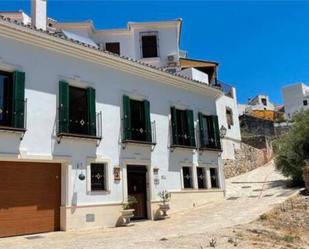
<point>117,174</point>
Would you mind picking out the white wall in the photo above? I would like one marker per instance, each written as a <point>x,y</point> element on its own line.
<point>293,97</point>
<point>257,104</point>
<point>195,74</point>
<point>125,39</point>
<point>44,69</point>
<point>167,44</point>
<point>232,139</point>
<point>130,41</point>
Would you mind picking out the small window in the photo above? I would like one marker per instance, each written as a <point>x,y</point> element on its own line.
<point>113,47</point>
<point>98,177</point>
<point>229,117</point>
<point>149,45</point>
<point>305,102</point>
<point>214,177</point>
<point>264,101</point>
<point>201,178</point>
<point>187,177</point>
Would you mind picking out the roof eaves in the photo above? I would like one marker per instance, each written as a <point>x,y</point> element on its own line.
<point>63,37</point>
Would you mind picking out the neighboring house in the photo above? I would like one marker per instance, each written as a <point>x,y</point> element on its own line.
<point>295,99</point>
<point>84,128</point>
<point>260,107</point>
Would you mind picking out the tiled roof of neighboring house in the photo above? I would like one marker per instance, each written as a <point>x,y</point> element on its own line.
<point>82,39</point>
<point>60,35</point>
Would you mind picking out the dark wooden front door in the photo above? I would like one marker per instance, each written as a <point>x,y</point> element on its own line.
<point>137,188</point>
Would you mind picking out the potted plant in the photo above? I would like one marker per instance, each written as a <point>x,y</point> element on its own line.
<point>127,212</point>
<point>165,198</point>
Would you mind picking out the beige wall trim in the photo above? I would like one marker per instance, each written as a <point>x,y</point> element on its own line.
<point>93,205</point>
<point>188,191</point>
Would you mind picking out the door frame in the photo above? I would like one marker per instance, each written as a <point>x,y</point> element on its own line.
<point>141,170</point>
<point>146,164</point>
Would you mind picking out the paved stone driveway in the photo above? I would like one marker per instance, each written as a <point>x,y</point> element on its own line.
<point>248,196</point>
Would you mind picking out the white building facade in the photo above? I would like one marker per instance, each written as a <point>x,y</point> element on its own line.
<point>83,129</point>
<point>295,99</point>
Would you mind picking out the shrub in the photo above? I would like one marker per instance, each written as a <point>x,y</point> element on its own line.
<point>292,149</point>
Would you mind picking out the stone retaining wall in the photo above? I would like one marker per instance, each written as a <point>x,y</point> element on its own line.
<point>247,158</point>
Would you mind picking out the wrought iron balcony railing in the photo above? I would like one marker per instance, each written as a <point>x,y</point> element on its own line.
<point>139,134</point>
<point>226,89</point>
<point>78,125</point>
<point>13,114</point>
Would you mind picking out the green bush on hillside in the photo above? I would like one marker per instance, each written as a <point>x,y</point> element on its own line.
<point>292,149</point>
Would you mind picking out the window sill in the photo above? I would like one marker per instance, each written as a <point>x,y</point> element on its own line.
<point>151,58</point>
<point>99,192</point>
<point>183,146</point>
<point>210,149</point>
<point>155,60</point>
<point>193,190</point>
<point>138,142</point>
<point>74,135</point>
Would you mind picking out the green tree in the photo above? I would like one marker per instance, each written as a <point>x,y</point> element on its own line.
<point>292,149</point>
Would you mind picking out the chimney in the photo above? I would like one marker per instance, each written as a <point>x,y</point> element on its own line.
<point>39,13</point>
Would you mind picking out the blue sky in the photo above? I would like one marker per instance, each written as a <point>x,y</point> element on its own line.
<point>260,46</point>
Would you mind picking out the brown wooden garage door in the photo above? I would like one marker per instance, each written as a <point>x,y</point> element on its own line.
<point>30,196</point>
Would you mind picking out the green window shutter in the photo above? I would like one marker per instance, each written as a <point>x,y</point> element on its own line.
<point>174,125</point>
<point>202,130</point>
<point>127,133</point>
<point>216,131</point>
<point>211,132</point>
<point>91,110</point>
<point>18,102</point>
<point>63,107</point>
<point>190,120</point>
<point>147,121</point>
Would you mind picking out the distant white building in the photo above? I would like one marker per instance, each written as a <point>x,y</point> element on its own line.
<point>258,103</point>
<point>295,99</point>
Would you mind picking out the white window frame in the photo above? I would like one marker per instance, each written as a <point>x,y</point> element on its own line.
<point>192,175</point>
<point>106,164</point>
<point>226,116</point>
<point>205,177</point>
<point>217,178</point>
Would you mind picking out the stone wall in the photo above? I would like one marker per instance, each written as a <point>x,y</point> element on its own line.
<point>253,126</point>
<point>247,158</point>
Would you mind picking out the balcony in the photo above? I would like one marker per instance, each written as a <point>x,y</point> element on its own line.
<point>79,127</point>
<point>226,89</point>
<point>13,115</point>
<point>139,135</point>
<point>183,141</point>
